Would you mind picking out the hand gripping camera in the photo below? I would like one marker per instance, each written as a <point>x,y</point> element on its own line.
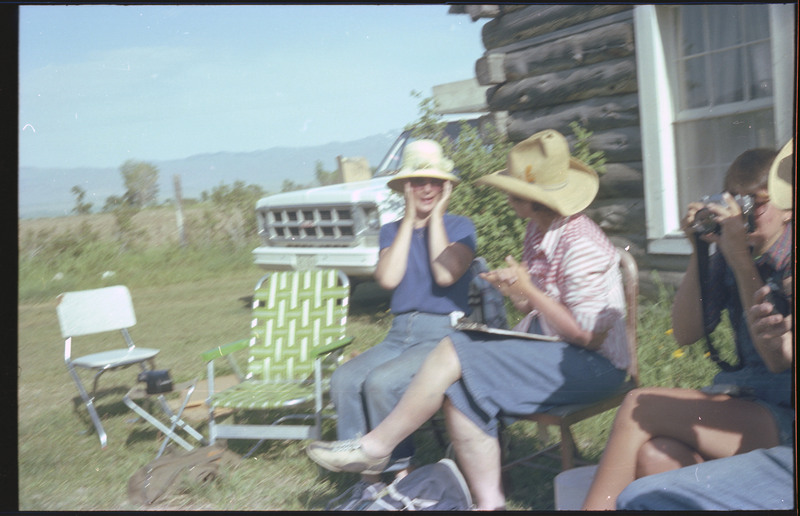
<point>705,222</point>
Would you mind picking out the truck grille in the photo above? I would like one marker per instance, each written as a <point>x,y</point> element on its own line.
<point>312,226</point>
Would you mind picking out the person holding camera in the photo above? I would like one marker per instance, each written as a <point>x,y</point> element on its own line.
<point>750,403</point>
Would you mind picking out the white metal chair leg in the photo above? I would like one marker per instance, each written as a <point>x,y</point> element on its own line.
<point>88,401</point>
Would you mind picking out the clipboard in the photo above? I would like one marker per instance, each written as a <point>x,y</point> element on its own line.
<point>465,324</point>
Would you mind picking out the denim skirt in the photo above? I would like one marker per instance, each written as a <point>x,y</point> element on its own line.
<point>506,378</point>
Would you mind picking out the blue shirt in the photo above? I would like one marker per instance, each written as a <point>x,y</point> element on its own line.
<point>417,290</point>
<point>773,265</point>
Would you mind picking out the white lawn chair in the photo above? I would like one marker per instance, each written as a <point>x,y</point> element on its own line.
<point>95,311</point>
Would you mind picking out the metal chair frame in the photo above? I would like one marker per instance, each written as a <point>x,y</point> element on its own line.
<point>98,311</point>
<point>282,310</point>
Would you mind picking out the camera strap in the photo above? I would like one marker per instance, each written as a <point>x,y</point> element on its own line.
<point>702,269</point>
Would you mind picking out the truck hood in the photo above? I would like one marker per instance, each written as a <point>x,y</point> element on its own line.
<point>373,190</point>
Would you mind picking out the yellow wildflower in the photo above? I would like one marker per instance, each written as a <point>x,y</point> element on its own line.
<point>668,332</point>
<point>678,353</point>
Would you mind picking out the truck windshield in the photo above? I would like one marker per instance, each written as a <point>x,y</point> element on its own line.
<point>390,163</point>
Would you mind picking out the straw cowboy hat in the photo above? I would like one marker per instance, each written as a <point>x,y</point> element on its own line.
<point>779,183</point>
<point>423,158</point>
<point>540,169</point>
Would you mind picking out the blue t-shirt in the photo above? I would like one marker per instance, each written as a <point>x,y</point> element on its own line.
<point>775,264</point>
<point>417,290</point>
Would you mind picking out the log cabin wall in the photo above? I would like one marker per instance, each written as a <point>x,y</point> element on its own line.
<point>549,65</point>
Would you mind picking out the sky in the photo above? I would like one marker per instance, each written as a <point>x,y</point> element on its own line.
<point>100,84</point>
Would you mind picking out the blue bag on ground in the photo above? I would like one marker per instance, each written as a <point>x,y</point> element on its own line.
<point>433,487</point>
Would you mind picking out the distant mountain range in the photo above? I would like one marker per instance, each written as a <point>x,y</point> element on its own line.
<point>46,192</point>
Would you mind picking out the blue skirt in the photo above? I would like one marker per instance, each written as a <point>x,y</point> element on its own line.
<point>506,378</point>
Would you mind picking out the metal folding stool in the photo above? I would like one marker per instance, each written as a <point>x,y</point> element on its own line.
<point>139,392</point>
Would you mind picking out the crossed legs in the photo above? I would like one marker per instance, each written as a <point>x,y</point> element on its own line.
<point>675,426</point>
<point>478,454</point>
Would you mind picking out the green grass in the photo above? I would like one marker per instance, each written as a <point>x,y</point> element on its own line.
<point>188,301</point>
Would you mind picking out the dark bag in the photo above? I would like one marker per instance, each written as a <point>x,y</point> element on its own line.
<point>157,381</point>
<point>151,482</point>
<point>488,304</point>
<point>433,487</point>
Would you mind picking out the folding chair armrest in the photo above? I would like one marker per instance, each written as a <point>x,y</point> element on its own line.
<point>333,346</point>
<point>224,350</point>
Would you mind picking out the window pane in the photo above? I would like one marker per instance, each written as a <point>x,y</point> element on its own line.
<point>757,25</point>
<point>692,29</point>
<point>726,55</point>
<point>695,84</point>
<point>759,61</point>
<point>700,161</point>
<point>728,82</point>
<point>706,148</point>
<point>746,131</point>
<point>723,26</point>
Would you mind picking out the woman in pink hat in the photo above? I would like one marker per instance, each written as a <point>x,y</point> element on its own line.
<point>569,285</point>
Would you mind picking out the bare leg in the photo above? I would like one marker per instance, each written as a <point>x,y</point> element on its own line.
<point>478,456</point>
<point>715,426</point>
<point>664,454</point>
<point>421,400</point>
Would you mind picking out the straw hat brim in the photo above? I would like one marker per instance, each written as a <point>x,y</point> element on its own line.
<point>780,178</point>
<point>396,183</point>
<point>574,195</point>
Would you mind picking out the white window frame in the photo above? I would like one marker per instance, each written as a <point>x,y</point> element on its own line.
<point>657,115</point>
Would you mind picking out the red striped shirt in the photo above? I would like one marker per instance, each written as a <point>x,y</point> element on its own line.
<point>576,264</point>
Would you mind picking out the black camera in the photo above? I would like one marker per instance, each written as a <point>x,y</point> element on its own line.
<point>157,381</point>
<point>705,222</point>
<point>776,297</point>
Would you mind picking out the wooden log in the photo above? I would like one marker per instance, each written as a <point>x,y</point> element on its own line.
<point>620,145</point>
<point>577,49</point>
<point>588,26</point>
<point>598,80</point>
<point>476,11</point>
<point>491,69</point>
<point>619,215</point>
<point>496,121</point>
<point>622,180</point>
<point>535,20</point>
<point>595,114</point>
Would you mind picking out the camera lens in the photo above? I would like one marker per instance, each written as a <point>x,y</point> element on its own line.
<point>705,222</point>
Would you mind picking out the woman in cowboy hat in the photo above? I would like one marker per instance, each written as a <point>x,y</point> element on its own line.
<point>570,286</point>
<point>424,259</point>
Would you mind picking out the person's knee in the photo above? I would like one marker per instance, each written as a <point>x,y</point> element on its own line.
<point>650,457</point>
<point>444,354</point>
<point>661,454</point>
<point>345,379</point>
<point>386,384</point>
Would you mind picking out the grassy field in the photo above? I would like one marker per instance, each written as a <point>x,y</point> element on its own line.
<point>188,301</point>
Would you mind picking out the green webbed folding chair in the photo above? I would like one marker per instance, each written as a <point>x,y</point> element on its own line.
<point>96,311</point>
<point>297,334</point>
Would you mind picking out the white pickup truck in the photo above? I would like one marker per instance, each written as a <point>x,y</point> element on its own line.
<point>332,226</point>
